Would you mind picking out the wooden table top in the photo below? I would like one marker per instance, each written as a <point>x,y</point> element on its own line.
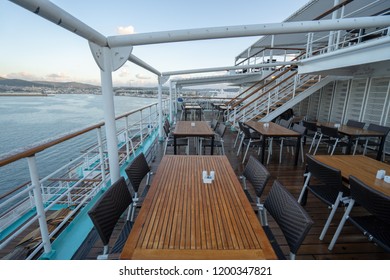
<point>353,131</point>
<point>200,128</point>
<point>184,218</point>
<point>272,130</point>
<point>362,167</point>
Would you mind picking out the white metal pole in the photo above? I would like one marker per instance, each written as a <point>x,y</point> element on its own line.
<point>102,161</point>
<point>170,102</point>
<point>160,111</point>
<point>32,164</point>
<point>109,116</point>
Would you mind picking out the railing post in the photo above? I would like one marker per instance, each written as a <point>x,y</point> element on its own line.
<point>101,153</point>
<point>32,165</point>
<point>127,137</point>
<point>140,128</point>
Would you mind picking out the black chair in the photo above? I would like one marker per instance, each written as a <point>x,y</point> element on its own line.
<point>258,176</point>
<point>249,139</point>
<point>328,187</point>
<point>292,141</point>
<point>331,137</point>
<point>170,141</point>
<point>311,132</point>
<point>106,213</point>
<point>291,218</point>
<point>137,170</point>
<point>375,226</point>
<point>218,139</point>
<point>356,124</point>
<point>372,141</point>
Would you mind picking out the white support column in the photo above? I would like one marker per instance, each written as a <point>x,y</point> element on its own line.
<point>109,115</point>
<point>101,153</point>
<point>170,102</point>
<point>160,122</point>
<point>331,40</point>
<point>32,164</point>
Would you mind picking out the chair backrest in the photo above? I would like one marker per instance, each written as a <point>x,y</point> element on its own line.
<point>299,128</point>
<point>166,130</point>
<point>310,125</point>
<point>326,174</point>
<point>377,203</point>
<point>330,131</point>
<point>285,123</point>
<point>257,174</point>
<point>108,209</point>
<point>137,170</point>
<point>355,124</point>
<point>290,216</point>
<point>221,130</point>
<point>375,127</point>
<point>245,129</point>
<point>213,124</point>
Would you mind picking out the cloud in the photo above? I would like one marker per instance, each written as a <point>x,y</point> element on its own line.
<point>142,77</point>
<point>124,30</point>
<point>22,76</point>
<point>57,77</point>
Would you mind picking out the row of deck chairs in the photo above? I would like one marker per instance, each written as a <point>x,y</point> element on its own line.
<point>326,183</point>
<point>108,210</point>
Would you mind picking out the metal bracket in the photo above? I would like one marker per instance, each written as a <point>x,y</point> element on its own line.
<point>163,79</point>
<point>118,55</point>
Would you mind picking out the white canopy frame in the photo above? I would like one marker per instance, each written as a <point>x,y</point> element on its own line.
<point>111,52</point>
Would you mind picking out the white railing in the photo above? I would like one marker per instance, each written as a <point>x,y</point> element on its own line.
<point>74,184</point>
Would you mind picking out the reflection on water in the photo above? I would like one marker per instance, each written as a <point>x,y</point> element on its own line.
<point>27,120</point>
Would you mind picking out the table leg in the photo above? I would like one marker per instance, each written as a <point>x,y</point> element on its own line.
<point>212,146</point>
<point>349,146</point>
<point>381,146</point>
<point>263,150</point>
<point>174,144</point>
<point>297,149</point>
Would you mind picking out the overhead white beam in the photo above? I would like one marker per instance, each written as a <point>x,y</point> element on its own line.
<point>143,64</point>
<point>246,30</point>
<point>227,68</point>
<point>55,14</point>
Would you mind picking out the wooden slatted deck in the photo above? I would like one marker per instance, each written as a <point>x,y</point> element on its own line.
<point>351,245</point>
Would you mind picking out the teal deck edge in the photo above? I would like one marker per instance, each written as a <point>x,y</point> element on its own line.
<point>67,243</point>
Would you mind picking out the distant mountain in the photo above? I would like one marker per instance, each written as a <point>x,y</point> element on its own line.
<point>67,85</point>
<point>24,83</point>
<point>19,83</point>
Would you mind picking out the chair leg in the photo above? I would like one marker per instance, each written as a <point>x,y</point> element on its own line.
<point>237,137</point>
<point>318,143</point>
<point>341,225</point>
<point>269,149</point>
<point>329,220</point>
<point>239,148</point>
<point>246,151</point>
<point>281,150</point>
<point>336,141</point>
<point>312,141</point>
<point>304,188</point>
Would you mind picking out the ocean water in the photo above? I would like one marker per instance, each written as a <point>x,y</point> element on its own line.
<point>26,120</point>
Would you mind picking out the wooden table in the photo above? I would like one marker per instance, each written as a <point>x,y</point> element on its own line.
<point>184,218</point>
<point>362,167</point>
<point>193,129</point>
<point>274,130</point>
<point>193,107</point>
<point>354,132</point>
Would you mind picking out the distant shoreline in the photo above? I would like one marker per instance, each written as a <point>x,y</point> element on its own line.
<point>23,94</point>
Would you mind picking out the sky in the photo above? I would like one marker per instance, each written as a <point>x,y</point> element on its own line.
<point>35,49</point>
